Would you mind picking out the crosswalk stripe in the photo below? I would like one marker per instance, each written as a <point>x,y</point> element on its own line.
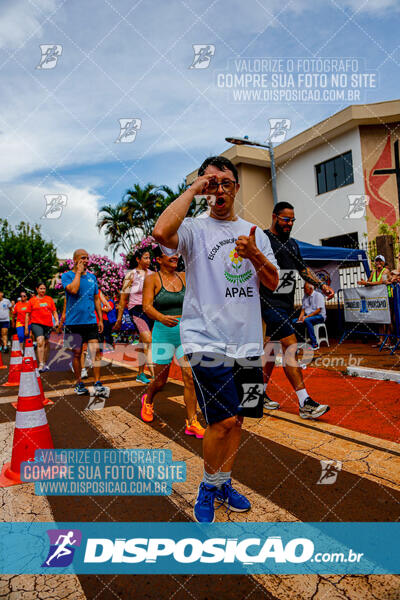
<point>381,466</point>
<point>123,430</point>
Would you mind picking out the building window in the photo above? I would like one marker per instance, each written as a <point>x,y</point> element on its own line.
<point>335,173</point>
<point>347,240</point>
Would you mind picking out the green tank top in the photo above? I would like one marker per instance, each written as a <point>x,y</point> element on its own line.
<point>375,279</point>
<point>169,303</point>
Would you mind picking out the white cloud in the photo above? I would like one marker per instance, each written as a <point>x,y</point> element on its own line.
<point>19,20</point>
<point>76,227</point>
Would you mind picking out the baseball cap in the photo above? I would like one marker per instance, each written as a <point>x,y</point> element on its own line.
<point>379,257</point>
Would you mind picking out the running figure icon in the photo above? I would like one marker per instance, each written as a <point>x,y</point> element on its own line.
<point>62,549</point>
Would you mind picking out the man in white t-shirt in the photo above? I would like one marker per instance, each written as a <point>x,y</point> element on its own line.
<point>5,306</point>
<point>226,257</point>
<point>313,311</point>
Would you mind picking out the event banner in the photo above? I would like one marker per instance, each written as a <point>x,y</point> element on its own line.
<point>193,548</point>
<point>366,304</point>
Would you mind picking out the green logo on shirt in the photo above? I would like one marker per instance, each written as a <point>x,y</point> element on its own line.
<point>236,262</point>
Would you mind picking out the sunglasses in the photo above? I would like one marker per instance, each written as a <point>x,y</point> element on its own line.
<point>286,219</point>
<point>228,186</point>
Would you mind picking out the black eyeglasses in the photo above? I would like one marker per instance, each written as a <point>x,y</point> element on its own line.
<point>286,219</point>
<point>228,186</point>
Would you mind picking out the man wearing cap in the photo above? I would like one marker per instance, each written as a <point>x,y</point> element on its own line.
<point>380,275</point>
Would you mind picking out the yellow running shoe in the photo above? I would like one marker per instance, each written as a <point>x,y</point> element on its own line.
<point>194,428</point>
<point>147,412</point>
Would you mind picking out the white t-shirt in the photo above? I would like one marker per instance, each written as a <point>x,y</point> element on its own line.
<point>221,309</point>
<point>312,302</point>
<point>5,306</point>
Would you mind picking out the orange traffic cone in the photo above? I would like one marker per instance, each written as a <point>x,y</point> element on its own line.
<point>14,371</point>
<point>32,431</point>
<point>30,351</point>
<point>2,366</point>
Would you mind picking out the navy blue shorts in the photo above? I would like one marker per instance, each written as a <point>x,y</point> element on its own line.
<point>279,322</point>
<point>226,387</point>
<point>4,324</point>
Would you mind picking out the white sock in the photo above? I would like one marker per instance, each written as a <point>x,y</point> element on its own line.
<point>302,396</point>
<point>211,478</point>
<point>223,477</point>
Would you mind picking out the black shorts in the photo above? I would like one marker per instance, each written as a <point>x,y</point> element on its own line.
<point>227,387</point>
<point>278,322</point>
<point>39,330</point>
<point>76,335</point>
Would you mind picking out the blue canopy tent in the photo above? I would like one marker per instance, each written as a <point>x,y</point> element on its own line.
<point>325,254</point>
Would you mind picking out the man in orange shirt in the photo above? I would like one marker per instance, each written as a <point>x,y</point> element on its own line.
<point>18,320</point>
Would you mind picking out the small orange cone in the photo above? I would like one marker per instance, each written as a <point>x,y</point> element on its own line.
<point>14,371</point>
<point>30,351</point>
<point>32,431</point>
<point>2,366</point>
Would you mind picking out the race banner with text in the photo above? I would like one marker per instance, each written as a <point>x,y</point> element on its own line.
<point>366,304</point>
<point>194,548</point>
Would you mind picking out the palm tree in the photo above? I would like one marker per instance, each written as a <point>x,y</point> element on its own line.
<point>169,196</point>
<point>142,207</point>
<point>136,215</point>
<point>111,218</point>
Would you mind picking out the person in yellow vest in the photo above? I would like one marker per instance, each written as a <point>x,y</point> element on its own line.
<point>379,276</point>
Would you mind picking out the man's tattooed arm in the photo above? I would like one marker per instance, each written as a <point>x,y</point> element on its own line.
<point>308,275</point>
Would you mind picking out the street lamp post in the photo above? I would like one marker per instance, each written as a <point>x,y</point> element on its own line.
<point>244,141</point>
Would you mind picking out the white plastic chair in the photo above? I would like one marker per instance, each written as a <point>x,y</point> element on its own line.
<point>321,333</point>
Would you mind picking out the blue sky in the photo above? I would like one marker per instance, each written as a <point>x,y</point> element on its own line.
<point>127,59</point>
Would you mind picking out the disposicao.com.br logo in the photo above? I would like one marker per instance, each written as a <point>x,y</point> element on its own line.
<point>248,551</point>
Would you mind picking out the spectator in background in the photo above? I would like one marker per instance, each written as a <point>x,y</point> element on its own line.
<point>18,321</point>
<point>40,313</point>
<point>380,275</point>
<point>5,306</point>
<point>313,311</point>
<point>132,292</point>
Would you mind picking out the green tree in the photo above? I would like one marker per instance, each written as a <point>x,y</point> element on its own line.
<point>132,219</point>
<point>25,257</point>
<point>113,220</point>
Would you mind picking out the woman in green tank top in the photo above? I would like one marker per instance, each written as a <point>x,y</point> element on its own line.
<point>163,295</point>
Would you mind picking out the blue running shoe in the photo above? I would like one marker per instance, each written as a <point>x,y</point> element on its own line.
<point>81,390</point>
<point>228,496</point>
<point>204,507</point>
<point>142,378</point>
<point>100,390</point>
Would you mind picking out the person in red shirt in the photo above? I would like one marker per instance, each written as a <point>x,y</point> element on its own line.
<point>42,310</point>
<point>18,321</point>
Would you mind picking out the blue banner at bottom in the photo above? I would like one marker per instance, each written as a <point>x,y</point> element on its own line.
<point>193,548</point>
